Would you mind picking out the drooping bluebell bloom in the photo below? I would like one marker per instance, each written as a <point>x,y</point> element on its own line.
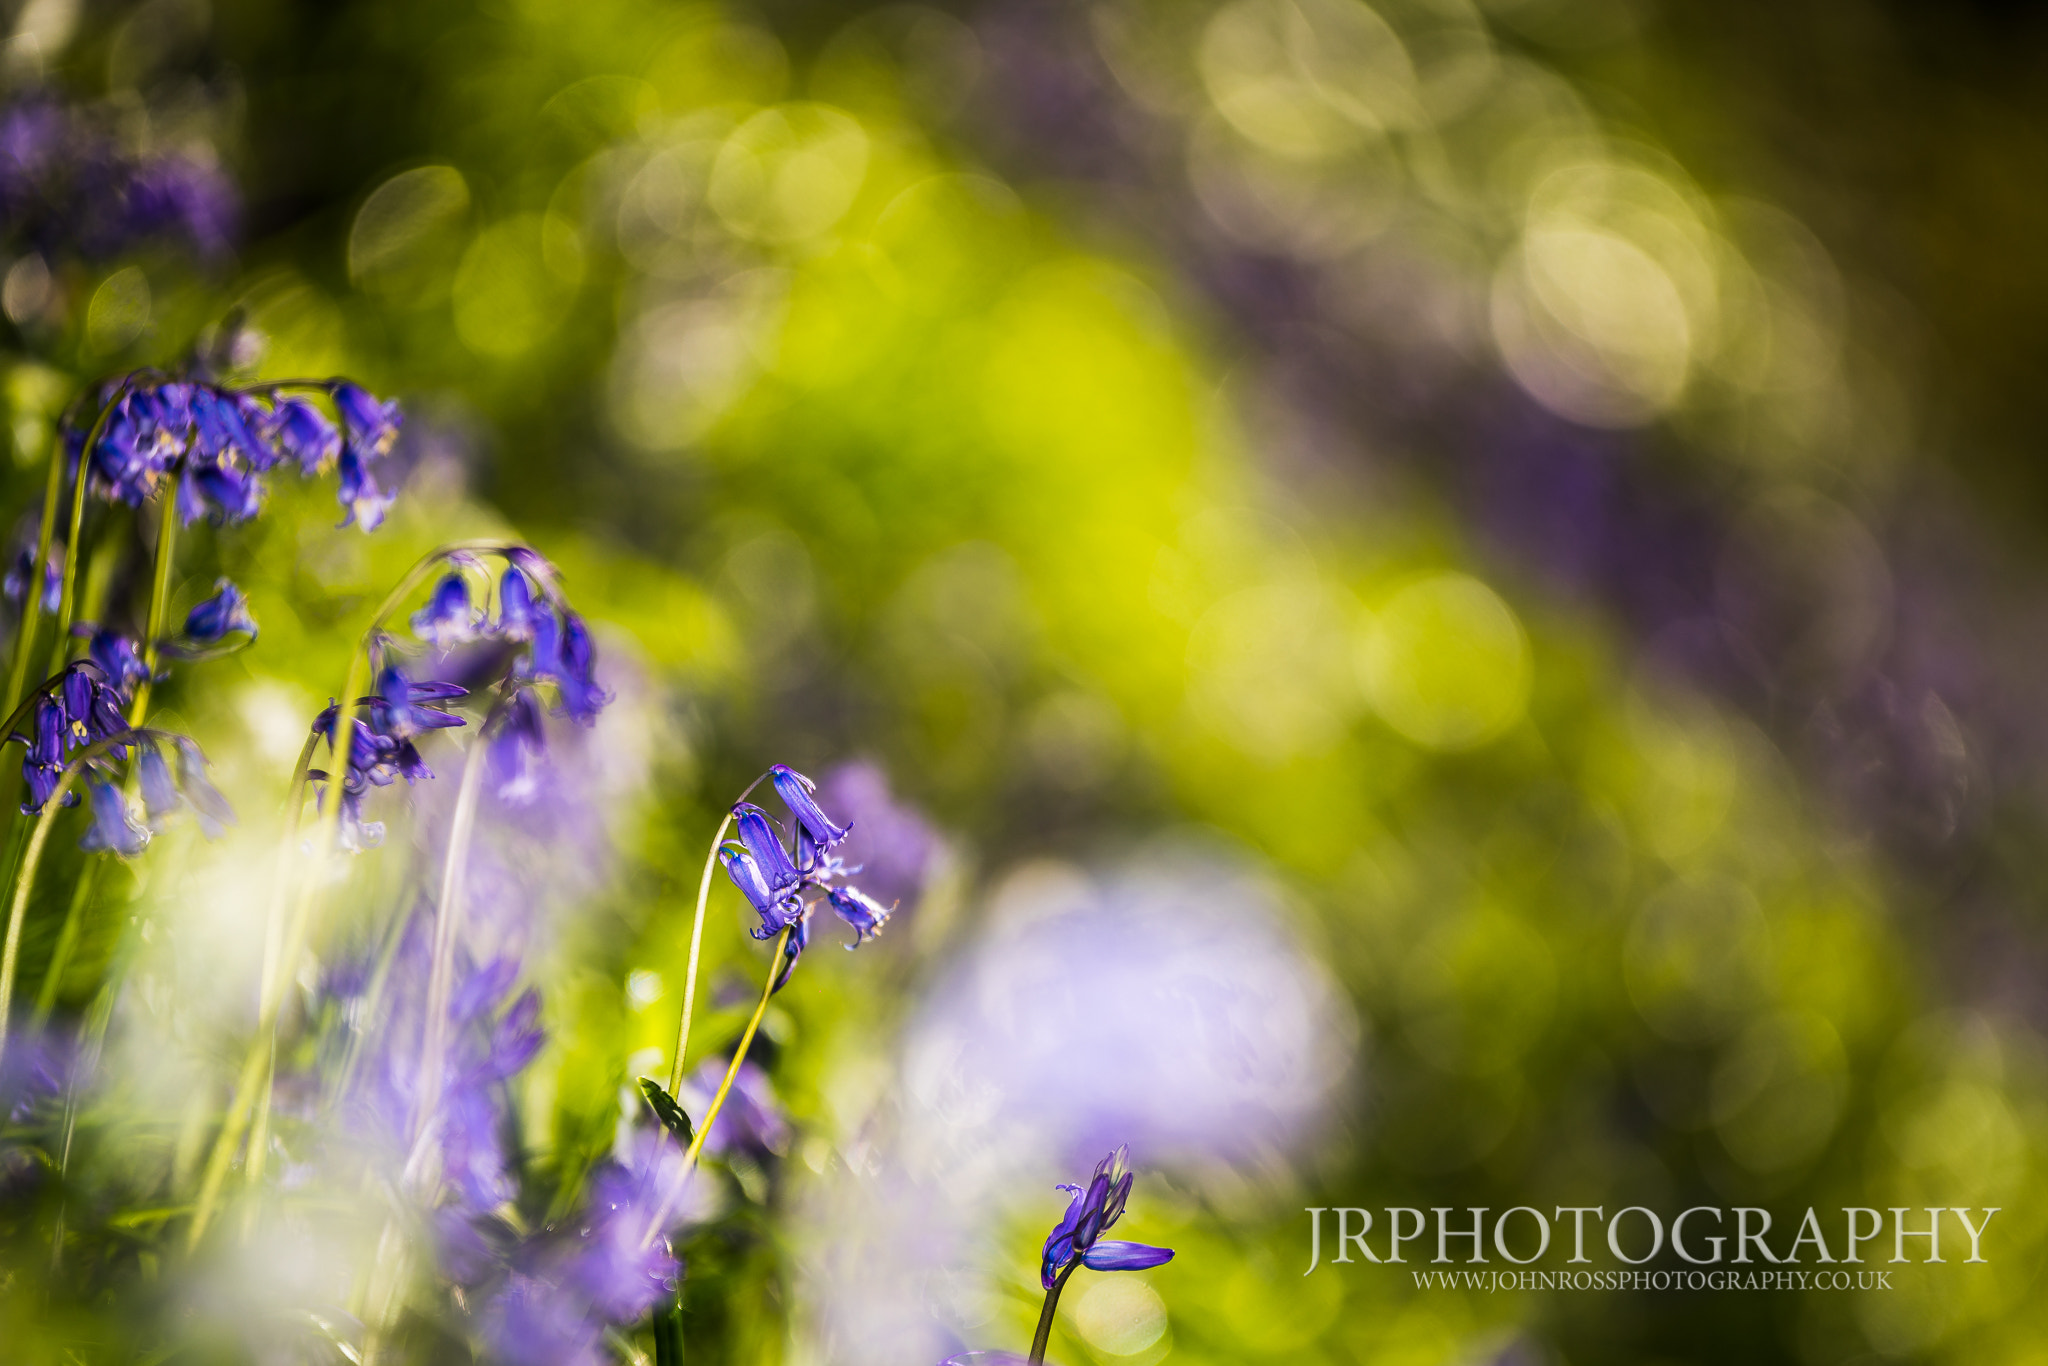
<point>860,911</point>
<point>774,879</point>
<point>118,657</point>
<point>1078,1235</point>
<point>379,753</point>
<point>302,433</point>
<point>20,573</point>
<point>798,793</point>
<point>518,618</point>
<point>793,947</point>
<point>448,619</point>
<point>44,766</point>
<point>220,616</point>
<point>369,430</point>
<point>114,826</point>
<point>520,741</point>
<point>562,654</point>
<point>165,792</point>
<point>401,709</point>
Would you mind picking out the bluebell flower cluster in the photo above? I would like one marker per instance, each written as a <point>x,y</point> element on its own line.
<point>68,185</point>
<point>596,1269</point>
<point>775,880</point>
<point>1077,1238</point>
<point>80,707</point>
<point>216,444</point>
<point>535,644</point>
<point>382,748</point>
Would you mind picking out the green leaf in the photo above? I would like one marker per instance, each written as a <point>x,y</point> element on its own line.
<point>667,1111</point>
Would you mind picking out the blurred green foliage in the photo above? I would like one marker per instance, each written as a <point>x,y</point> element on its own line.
<point>854,449</point>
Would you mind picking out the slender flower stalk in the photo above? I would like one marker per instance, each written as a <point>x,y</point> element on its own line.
<point>32,858</point>
<point>1042,1338</point>
<point>67,600</point>
<point>667,1204</point>
<point>32,594</point>
<point>675,1071</point>
<point>159,595</point>
<point>448,911</point>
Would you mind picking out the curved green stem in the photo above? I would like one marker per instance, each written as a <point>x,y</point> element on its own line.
<point>67,601</point>
<point>675,1071</point>
<point>32,591</point>
<point>1043,1337</point>
<point>739,1055</point>
<point>159,596</point>
<point>25,880</point>
<point>273,948</point>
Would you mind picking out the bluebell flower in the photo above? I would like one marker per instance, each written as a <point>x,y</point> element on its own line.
<point>382,751</point>
<point>114,826</point>
<point>220,616</point>
<point>303,434</point>
<point>564,655</point>
<point>448,619</point>
<point>119,657</point>
<point>164,792</point>
<point>520,741</point>
<point>798,794</point>
<point>518,618</point>
<point>1078,1235</point>
<point>753,1119</point>
<point>793,947</point>
<point>20,573</point>
<point>369,429</point>
<point>860,912</point>
<point>774,879</point>
<point>44,766</point>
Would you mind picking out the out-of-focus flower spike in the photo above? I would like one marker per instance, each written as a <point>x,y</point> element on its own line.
<point>160,797</point>
<point>214,813</point>
<point>303,433</point>
<point>114,826</point>
<point>517,616</point>
<point>448,619</point>
<point>220,616</point>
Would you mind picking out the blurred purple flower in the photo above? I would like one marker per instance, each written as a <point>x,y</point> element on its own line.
<point>448,619</point>
<point>752,1120</point>
<point>220,616</point>
<point>891,844</point>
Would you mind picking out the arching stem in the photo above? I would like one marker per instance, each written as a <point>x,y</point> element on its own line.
<point>25,879</point>
<point>159,595</point>
<point>666,1207</point>
<point>675,1071</point>
<point>32,590</point>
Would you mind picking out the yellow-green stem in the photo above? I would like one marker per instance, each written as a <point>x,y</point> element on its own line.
<point>739,1055</point>
<point>273,948</point>
<point>159,596</point>
<point>440,976</point>
<point>67,940</point>
<point>32,590</point>
<point>25,879</point>
<point>675,1071</point>
<point>67,600</point>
